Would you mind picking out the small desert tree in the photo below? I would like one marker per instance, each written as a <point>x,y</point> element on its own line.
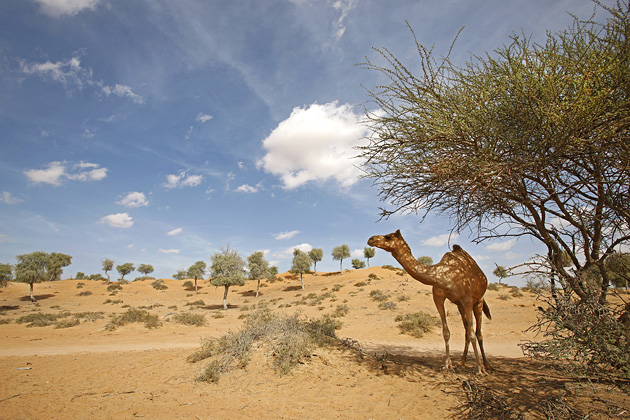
<point>301,264</point>
<point>125,269</point>
<point>369,252</point>
<point>181,274</point>
<point>108,265</point>
<point>258,268</point>
<point>357,264</point>
<point>227,269</point>
<point>316,255</point>
<point>196,271</point>
<point>501,272</point>
<point>145,269</point>
<point>39,266</point>
<point>6,274</point>
<point>425,260</point>
<point>339,253</point>
<point>618,265</point>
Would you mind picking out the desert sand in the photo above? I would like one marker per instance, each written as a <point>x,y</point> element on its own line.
<point>88,372</point>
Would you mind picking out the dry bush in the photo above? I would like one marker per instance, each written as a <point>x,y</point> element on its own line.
<point>387,305</point>
<point>188,284</point>
<point>197,320</point>
<point>379,296</point>
<point>417,323</point>
<point>159,285</point>
<point>84,293</point>
<point>340,311</point>
<point>360,284</point>
<point>132,315</point>
<point>484,403</point>
<point>39,319</point>
<point>289,339</point>
<point>493,286</point>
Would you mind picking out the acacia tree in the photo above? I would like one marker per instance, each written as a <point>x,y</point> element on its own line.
<point>425,260</point>
<point>40,266</point>
<point>196,271</point>
<point>369,252</point>
<point>532,140</point>
<point>145,269</point>
<point>300,264</point>
<point>340,253</point>
<point>227,269</point>
<point>125,269</point>
<point>316,254</point>
<point>6,274</point>
<point>108,265</point>
<point>501,272</point>
<point>258,268</point>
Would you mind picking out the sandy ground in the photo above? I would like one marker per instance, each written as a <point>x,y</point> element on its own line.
<point>87,372</point>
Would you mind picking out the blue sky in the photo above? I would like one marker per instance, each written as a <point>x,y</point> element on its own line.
<point>156,132</point>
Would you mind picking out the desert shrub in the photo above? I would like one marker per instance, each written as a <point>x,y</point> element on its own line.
<point>113,302</point>
<point>188,284</point>
<point>197,320</point>
<point>337,287</point>
<point>89,316</point>
<point>378,296</point>
<point>123,281</point>
<point>389,267</point>
<point>84,293</point>
<point>289,339</point>
<point>5,321</point>
<point>373,276</point>
<point>387,305</point>
<point>504,297</point>
<point>360,284</point>
<point>80,285</point>
<point>133,315</point>
<point>417,323</point>
<point>218,315</point>
<point>159,285</point>
<point>493,286</point>
<point>196,303</point>
<point>113,287</point>
<point>403,298</point>
<point>515,292</point>
<point>340,310</point>
<point>67,323</point>
<point>39,319</point>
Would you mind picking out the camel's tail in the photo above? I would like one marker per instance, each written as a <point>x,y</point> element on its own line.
<point>486,310</point>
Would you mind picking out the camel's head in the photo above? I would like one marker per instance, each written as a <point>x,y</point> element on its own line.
<point>389,242</point>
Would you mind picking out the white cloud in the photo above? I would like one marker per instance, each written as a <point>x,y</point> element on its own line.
<point>174,232</point>
<point>8,198</point>
<point>315,144</point>
<point>286,235</point>
<point>182,179</point>
<point>87,134</point>
<point>122,91</point>
<point>357,253</point>
<point>54,173</point>
<point>118,220</point>
<point>288,252</point>
<point>440,240</point>
<point>134,199</point>
<point>73,76</point>
<point>169,251</point>
<point>202,118</point>
<point>58,8</point>
<point>246,188</point>
<point>344,7</point>
<point>501,246</point>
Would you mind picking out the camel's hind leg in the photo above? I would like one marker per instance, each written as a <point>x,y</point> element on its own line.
<point>478,309</point>
<point>439,304</point>
<point>466,341</point>
<point>470,334</point>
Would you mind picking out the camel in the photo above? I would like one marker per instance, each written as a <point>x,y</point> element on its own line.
<point>458,278</point>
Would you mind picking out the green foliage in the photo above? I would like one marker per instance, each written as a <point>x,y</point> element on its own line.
<point>145,269</point>
<point>108,265</point>
<point>132,315</point>
<point>416,324</point>
<point>197,271</point>
<point>300,264</point>
<point>425,260</point>
<point>316,255</point>
<point>125,269</point>
<point>258,267</point>
<point>188,284</point>
<point>501,272</point>
<point>227,268</point>
<point>6,274</point>
<point>493,286</point>
<point>358,264</point>
<point>369,252</point>
<point>39,266</point>
<point>289,338</point>
<point>197,320</point>
<point>181,275</point>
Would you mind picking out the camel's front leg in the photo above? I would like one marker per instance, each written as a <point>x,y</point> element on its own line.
<point>466,341</point>
<point>439,304</point>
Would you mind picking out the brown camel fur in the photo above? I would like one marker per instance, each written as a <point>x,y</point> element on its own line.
<point>458,278</point>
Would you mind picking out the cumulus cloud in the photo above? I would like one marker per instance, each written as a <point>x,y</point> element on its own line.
<point>72,76</point>
<point>246,188</point>
<point>134,199</point>
<point>182,179</point>
<point>288,252</point>
<point>440,240</point>
<point>202,118</point>
<point>174,232</point>
<point>58,8</point>
<point>54,173</point>
<point>8,198</point>
<point>169,251</point>
<point>315,144</point>
<point>118,220</point>
<point>286,235</point>
<point>501,246</point>
<point>357,253</point>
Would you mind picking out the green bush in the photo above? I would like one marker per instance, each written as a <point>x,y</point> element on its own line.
<point>417,323</point>
<point>188,284</point>
<point>112,287</point>
<point>159,285</point>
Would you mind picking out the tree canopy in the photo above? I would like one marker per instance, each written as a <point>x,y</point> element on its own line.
<point>124,269</point>
<point>108,265</point>
<point>300,264</point>
<point>316,255</point>
<point>258,268</point>
<point>195,271</point>
<point>339,253</point>
<point>40,266</point>
<point>227,269</point>
<point>6,274</point>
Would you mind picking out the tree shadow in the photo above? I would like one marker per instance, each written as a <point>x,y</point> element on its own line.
<point>249,293</point>
<point>292,288</point>
<point>192,288</point>
<point>220,306</point>
<point>5,308</point>
<point>37,297</point>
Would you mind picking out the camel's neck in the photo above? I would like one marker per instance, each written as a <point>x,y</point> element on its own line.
<point>418,271</point>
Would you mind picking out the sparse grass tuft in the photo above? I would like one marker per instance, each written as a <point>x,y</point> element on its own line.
<point>373,276</point>
<point>340,310</point>
<point>196,303</point>
<point>493,286</point>
<point>290,340</point>
<point>378,296</point>
<point>504,297</point>
<point>39,319</point>
<point>337,287</point>
<point>387,305</point>
<point>360,284</point>
<point>80,285</point>
<point>403,298</point>
<point>417,323</point>
<point>84,293</point>
<point>133,315</point>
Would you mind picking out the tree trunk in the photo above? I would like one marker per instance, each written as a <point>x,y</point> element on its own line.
<point>195,284</point>
<point>301,281</point>
<point>257,287</point>
<point>225,297</point>
<point>32,297</point>
<point>341,266</point>
<point>315,267</point>
<point>108,279</point>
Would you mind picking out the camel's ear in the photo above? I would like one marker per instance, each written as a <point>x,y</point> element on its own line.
<point>398,233</point>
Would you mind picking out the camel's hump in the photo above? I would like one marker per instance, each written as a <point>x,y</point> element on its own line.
<point>457,248</point>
